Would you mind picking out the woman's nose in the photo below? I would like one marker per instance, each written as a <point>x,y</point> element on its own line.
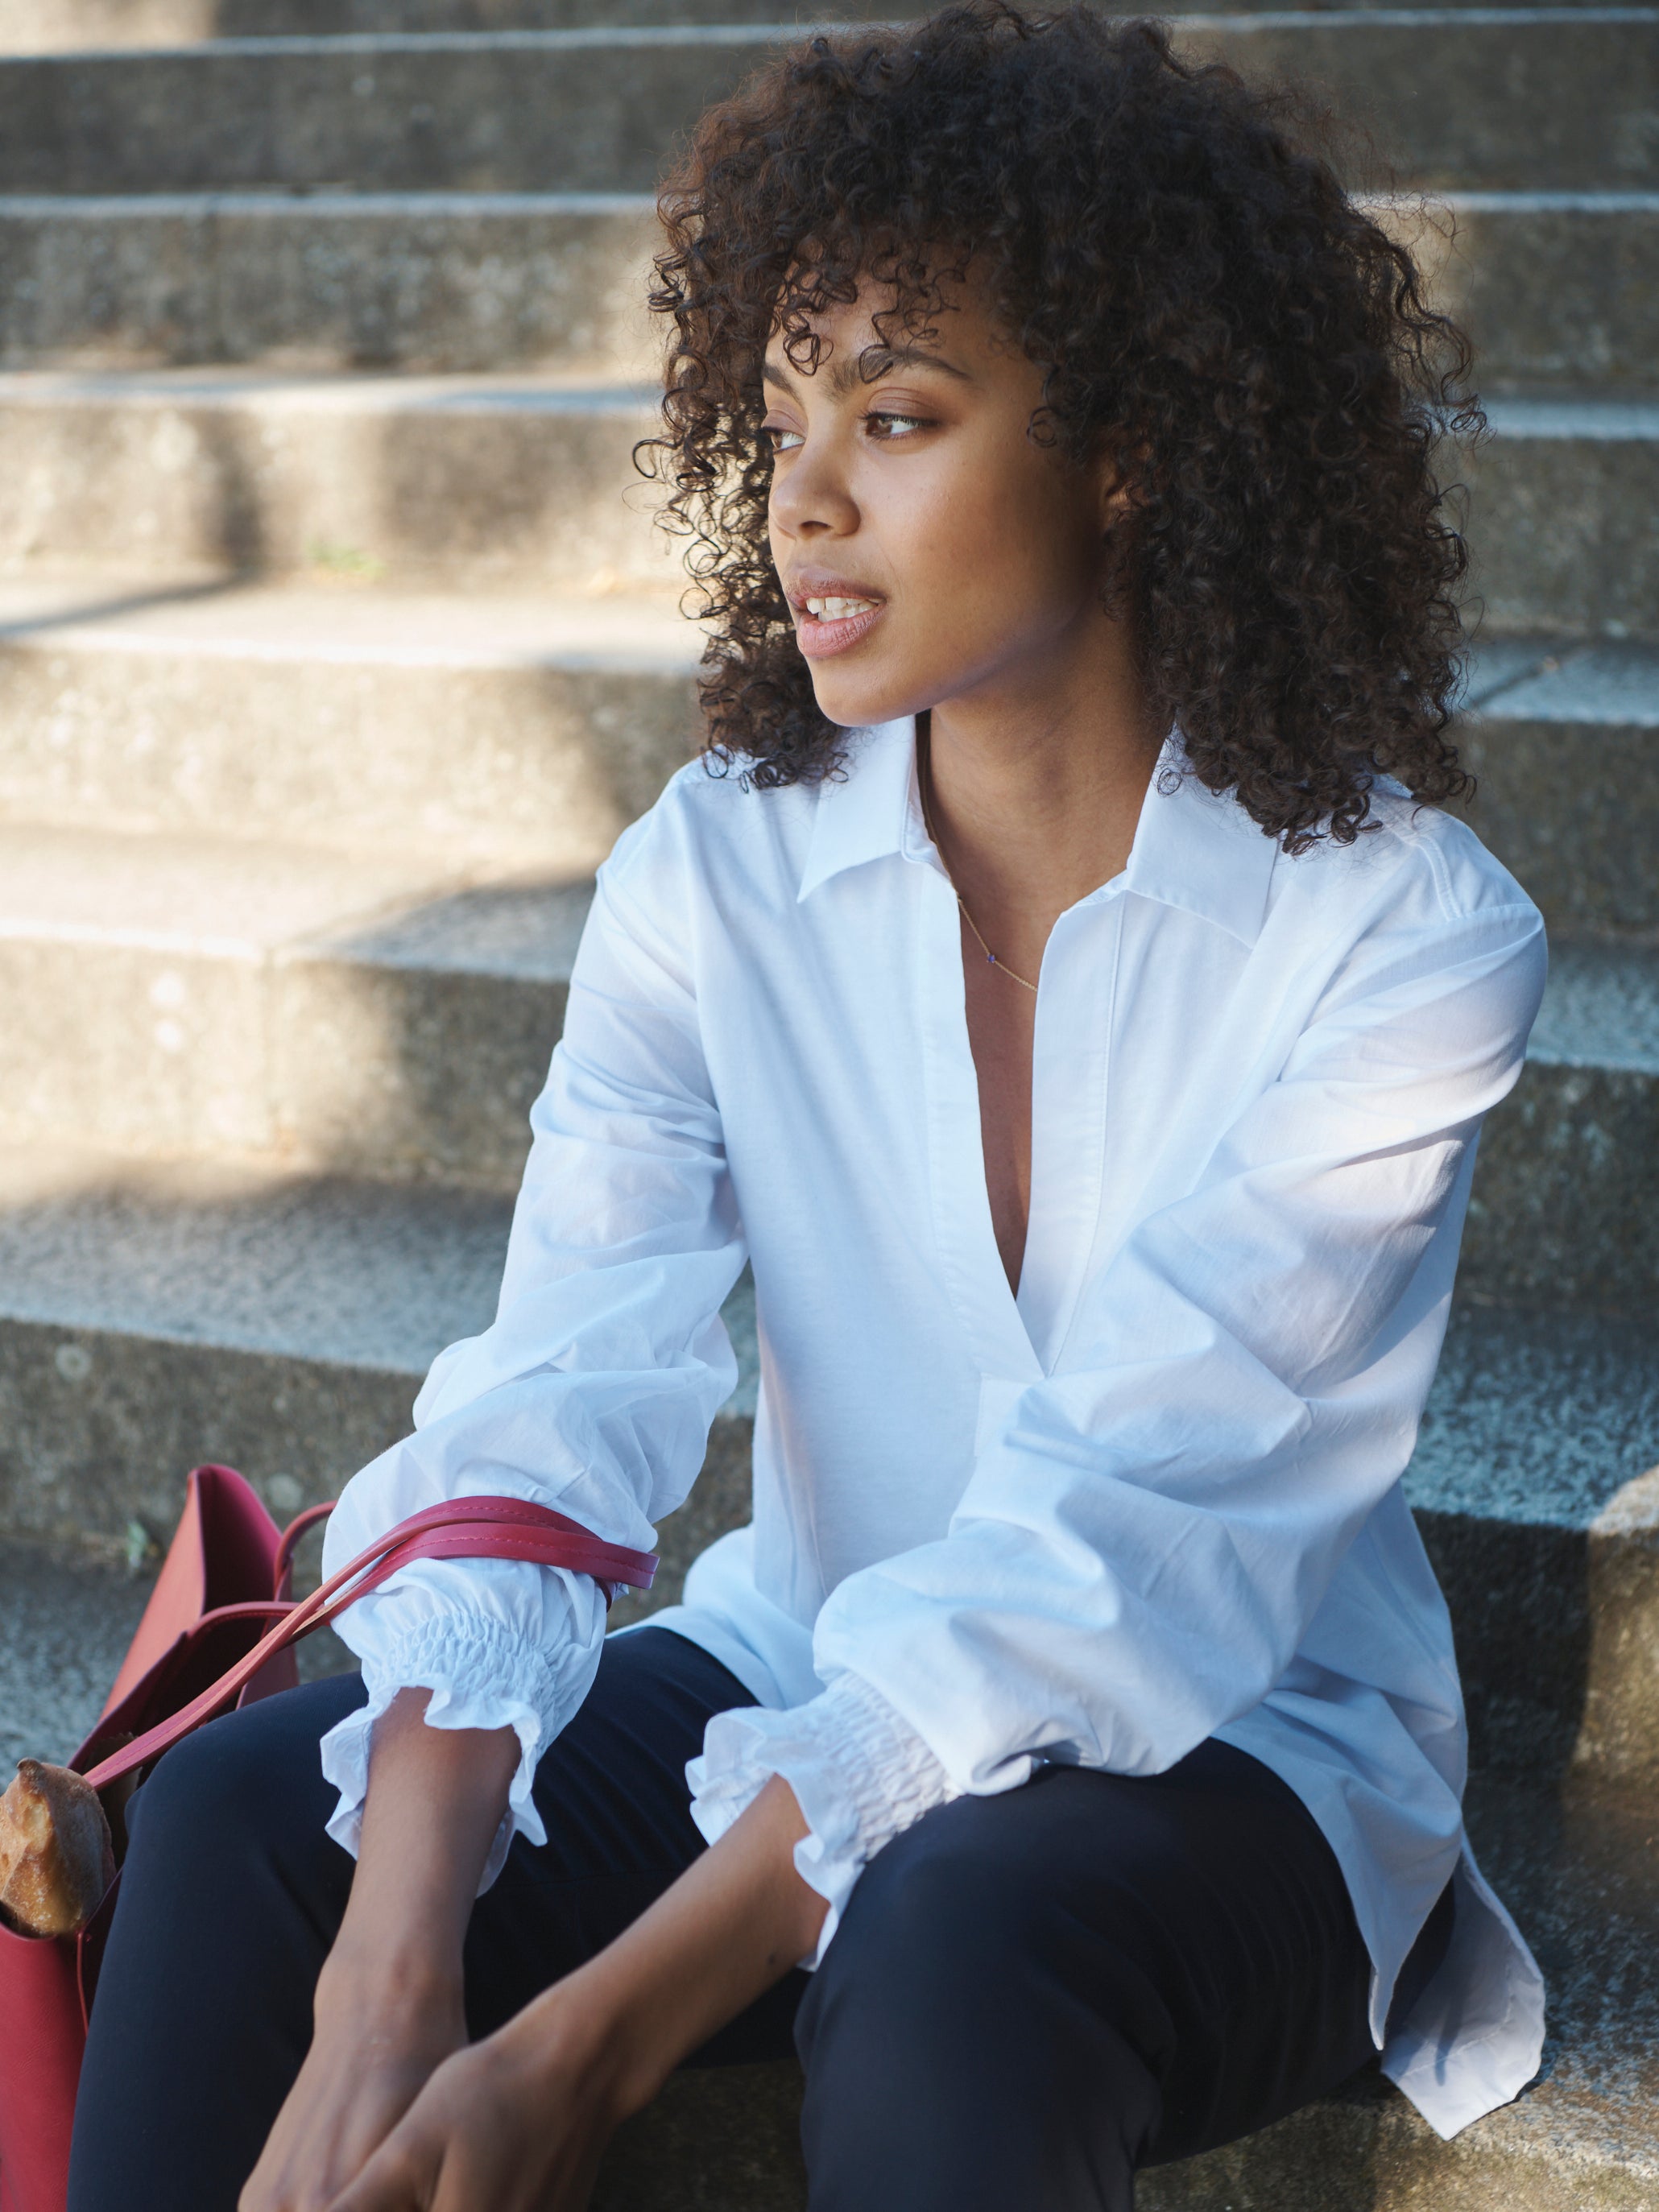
<point>810,495</point>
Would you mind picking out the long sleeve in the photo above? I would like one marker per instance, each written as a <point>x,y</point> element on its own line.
<point>594,1389</point>
<point>1148,1532</point>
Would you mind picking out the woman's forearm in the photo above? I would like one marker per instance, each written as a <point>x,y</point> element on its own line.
<point>436,1800</point>
<point>734,1923</point>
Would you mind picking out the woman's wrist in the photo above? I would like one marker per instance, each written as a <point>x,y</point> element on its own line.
<point>738,1920</point>
<point>371,1971</point>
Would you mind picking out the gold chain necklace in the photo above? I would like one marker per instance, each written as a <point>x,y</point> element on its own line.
<point>924,781</point>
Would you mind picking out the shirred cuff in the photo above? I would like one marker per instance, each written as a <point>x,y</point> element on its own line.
<point>860,1775</point>
<point>481,1676</point>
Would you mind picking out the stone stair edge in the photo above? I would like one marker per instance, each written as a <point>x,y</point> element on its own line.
<point>1595,416</point>
<point>514,735</point>
<point>78,25</point>
<point>616,95</point>
<point>744,30</point>
<point>227,1254</point>
<point>280,200</point>
<point>509,480</point>
<point>458,282</point>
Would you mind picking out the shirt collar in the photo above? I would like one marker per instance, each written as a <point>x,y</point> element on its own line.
<point>870,807</point>
<point>1191,848</point>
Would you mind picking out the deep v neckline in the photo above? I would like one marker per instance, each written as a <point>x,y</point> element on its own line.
<point>1013,1073</point>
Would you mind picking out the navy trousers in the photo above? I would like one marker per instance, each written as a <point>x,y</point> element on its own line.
<point>1029,1996</point>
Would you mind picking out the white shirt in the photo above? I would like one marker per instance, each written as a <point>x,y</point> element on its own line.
<point>1154,1498</point>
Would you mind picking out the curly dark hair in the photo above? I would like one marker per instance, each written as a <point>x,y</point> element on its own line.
<point>1210,308</point>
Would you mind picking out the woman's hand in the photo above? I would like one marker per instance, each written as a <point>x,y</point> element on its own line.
<point>389,2008</point>
<point>519,2122</point>
<point>378,2038</point>
<point>516,2124</point>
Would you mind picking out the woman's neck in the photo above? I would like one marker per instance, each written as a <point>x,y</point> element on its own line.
<point>1034,800</point>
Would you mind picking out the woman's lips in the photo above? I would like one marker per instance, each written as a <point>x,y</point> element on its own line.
<point>818,637</point>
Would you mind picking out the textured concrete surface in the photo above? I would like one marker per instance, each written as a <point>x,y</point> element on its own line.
<point>1524,99</point>
<point>1566,1193</point>
<point>511,730</point>
<point>164,993</point>
<point>423,280</point>
<point>530,730</point>
<point>1557,288</point>
<point>1531,1484</point>
<point>66,1618</point>
<point>1567,754</point>
<point>529,481</point>
<point>53,26</point>
<point>357,1013</point>
<point>494,480</point>
<point>1565,510</point>
<point>156,1315</point>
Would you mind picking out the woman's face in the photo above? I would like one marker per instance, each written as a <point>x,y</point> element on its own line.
<point>931,551</point>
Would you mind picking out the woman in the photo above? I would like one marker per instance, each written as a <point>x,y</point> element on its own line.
<point>1066,996</point>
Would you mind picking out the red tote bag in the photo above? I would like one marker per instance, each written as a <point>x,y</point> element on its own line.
<point>219,1630</point>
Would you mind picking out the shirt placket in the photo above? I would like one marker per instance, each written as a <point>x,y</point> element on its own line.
<point>964,1236</point>
<point>1071,1067</point>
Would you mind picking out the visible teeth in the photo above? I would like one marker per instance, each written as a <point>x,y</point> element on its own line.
<point>838,610</point>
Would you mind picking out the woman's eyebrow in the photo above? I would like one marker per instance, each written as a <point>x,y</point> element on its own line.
<point>880,360</point>
<point>865,367</point>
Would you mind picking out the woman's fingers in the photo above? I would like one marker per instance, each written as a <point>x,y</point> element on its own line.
<point>479,2138</point>
<point>402,2176</point>
<point>365,2068</point>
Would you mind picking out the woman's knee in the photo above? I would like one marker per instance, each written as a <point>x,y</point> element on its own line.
<point>939,1920</point>
<point>246,1787</point>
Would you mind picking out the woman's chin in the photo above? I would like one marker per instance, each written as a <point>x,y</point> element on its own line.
<point>852,703</point>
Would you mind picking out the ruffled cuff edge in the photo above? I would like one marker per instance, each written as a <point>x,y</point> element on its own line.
<point>860,1775</point>
<point>482,1677</point>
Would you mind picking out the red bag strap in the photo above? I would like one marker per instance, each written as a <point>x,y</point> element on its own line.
<point>459,1528</point>
<point>291,1535</point>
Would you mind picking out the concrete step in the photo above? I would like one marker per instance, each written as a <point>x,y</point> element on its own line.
<point>1565,519</point>
<point>1560,289</point>
<point>1536,1483</point>
<point>434,281</point>
<point>169,994</point>
<point>497,481</point>
<point>156,1315</point>
<point>529,481</point>
<point>363,1013</point>
<point>1565,738</point>
<point>516,732</point>
<point>31,27</point>
<point>1565,1205</point>
<point>526,732</point>
<point>1519,99</point>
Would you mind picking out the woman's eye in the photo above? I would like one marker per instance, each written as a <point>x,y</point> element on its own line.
<point>784,439</point>
<point>885,425</point>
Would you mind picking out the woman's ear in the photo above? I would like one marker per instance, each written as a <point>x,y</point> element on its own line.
<point>1117,492</point>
